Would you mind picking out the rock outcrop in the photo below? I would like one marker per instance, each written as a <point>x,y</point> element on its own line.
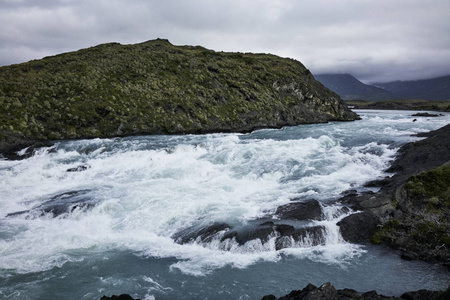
<point>60,205</point>
<point>308,210</point>
<point>158,88</point>
<point>120,297</point>
<point>329,292</point>
<point>289,225</point>
<point>411,211</point>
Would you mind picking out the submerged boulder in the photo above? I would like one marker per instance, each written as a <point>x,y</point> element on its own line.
<point>120,297</point>
<point>60,204</point>
<point>79,168</point>
<point>284,234</point>
<point>200,234</point>
<point>301,211</point>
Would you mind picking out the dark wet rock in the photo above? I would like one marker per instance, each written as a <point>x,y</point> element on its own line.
<point>328,292</point>
<point>411,206</point>
<point>427,294</point>
<point>377,183</point>
<point>60,204</point>
<point>285,230</point>
<point>417,221</point>
<point>120,297</point>
<point>359,227</point>
<point>425,114</point>
<point>349,193</point>
<point>262,232</point>
<point>284,235</point>
<point>311,236</point>
<point>300,294</point>
<point>414,158</point>
<point>21,149</point>
<point>301,211</point>
<point>79,168</point>
<point>408,256</point>
<point>204,234</point>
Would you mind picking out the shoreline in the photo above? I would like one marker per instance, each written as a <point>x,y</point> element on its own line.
<point>391,216</point>
<point>9,150</point>
<point>401,104</point>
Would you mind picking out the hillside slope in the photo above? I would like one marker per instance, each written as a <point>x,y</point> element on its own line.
<point>158,88</point>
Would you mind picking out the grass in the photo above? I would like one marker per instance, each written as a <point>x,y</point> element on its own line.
<point>156,87</point>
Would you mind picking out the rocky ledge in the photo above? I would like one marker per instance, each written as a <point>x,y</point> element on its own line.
<point>158,88</point>
<point>329,292</point>
<point>411,211</point>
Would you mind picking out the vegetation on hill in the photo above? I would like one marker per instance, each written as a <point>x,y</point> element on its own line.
<point>156,87</point>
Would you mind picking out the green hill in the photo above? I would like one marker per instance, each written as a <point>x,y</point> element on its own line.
<point>158,88</point>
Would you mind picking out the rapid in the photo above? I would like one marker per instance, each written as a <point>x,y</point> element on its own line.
<point>86,218</point>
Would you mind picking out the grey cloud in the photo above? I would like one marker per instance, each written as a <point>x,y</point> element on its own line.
<point>373,40</point>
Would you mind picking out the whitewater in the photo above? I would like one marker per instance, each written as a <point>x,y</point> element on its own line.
<point>87,218</point>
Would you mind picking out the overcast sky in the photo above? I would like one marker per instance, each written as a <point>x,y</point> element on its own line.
<point>374,40</point>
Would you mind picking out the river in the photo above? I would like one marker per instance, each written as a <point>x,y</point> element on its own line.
<point>87,218</point>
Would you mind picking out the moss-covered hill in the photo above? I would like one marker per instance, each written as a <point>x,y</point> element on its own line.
<point>156,87</point>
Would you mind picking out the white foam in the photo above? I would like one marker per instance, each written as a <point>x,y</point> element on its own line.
<point>148,188</point>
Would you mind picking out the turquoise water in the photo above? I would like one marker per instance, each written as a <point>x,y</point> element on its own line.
<point>138,192</point>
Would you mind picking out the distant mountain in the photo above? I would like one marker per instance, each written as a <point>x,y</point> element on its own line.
<point>350,88</point>
<point>429,89</point>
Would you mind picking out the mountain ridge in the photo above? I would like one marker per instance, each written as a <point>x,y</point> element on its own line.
<point>437,88</point>
<point>350,88</point>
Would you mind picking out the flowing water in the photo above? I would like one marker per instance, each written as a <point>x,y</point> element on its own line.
<point>86,218</point>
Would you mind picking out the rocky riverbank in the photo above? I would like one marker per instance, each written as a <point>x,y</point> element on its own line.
<point>329,292</point>
<point>411,211</point>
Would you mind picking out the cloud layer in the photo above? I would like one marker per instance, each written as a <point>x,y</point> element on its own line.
<point>373,40</point>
